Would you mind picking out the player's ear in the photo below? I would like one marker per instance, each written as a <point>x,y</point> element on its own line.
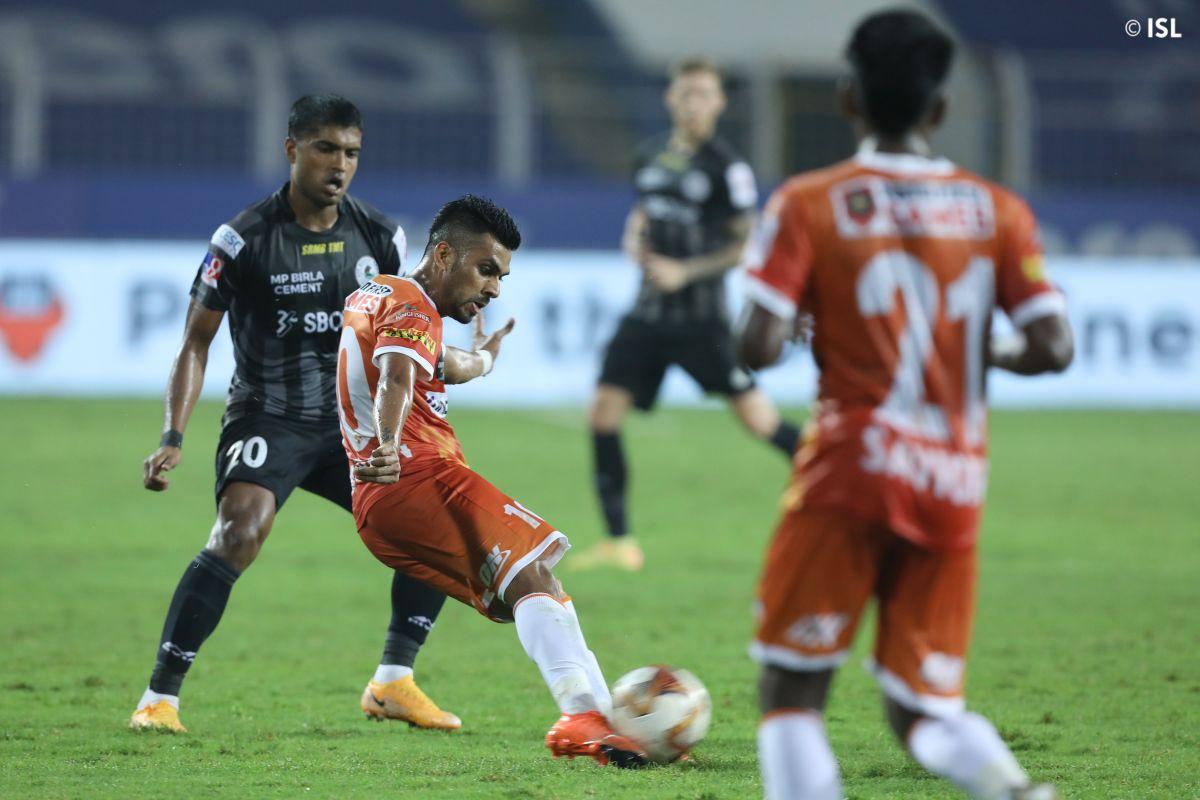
<point>289,149</point>
<point>443,256</point>
<point>937,110</point>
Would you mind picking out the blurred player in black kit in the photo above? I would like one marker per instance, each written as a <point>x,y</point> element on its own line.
<point>281,270</point>
<point>695,210</point>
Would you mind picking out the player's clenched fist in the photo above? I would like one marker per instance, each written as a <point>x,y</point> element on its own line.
<point>383,466</point>
<point>161,460</point>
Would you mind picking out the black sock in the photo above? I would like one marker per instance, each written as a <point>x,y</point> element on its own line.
<point>415,607</point>
<point>610,480</point>
<point>786,437</point>
<point>194,613</point>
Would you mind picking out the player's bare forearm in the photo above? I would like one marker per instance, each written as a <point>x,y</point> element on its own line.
<point>728,257</point>
<point>187,372</point>
<point>634,236</point>
<point>462,365</point>
<point>761,337</point>
<point>183,388</point>
<point>1044,345</point>
<point>393,402</point>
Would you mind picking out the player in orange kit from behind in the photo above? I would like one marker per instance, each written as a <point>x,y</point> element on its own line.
<point>900,259</point>
<point>420,509</point>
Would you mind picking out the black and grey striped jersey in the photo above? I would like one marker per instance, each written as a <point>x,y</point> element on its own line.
<point>283,287</point>
<point>689,201</point>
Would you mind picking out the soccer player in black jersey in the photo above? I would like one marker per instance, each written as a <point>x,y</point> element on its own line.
<point>694,212</point>
<point>281,270</point>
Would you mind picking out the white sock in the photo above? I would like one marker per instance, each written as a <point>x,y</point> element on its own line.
<point>795,758</point>
<point>595,676</point>
<point>550,635</point>
<point>149,697</point>
<point>386,673</point>
<point>968,751</point>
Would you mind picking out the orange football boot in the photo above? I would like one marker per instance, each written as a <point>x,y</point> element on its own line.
<point>404,700</point>
<point>589,734</point>
<point>158,716</point>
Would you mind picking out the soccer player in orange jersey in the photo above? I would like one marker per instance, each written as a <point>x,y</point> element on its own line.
<point>900,259</point>
<point>420,509</point>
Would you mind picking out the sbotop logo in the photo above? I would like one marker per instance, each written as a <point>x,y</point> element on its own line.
<point>1153,28</point>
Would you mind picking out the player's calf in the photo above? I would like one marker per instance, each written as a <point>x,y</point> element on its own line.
<point>793,751</point>
<point>549,630</point>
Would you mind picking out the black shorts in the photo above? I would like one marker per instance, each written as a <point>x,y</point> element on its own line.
<point>639,354</point>
<point>280,454</point>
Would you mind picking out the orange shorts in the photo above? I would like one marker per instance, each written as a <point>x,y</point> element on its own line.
<point>453,530</point>
<point>821,569</point>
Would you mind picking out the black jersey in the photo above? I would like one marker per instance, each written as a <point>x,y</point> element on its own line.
<point>689,202</point>
<point>284,287</point>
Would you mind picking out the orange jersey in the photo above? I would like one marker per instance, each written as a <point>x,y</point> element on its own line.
<point>393,315</point>
<point>901,260</point>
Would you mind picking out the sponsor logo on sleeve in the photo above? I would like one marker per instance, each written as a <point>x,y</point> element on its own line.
<point>210,269</point>
<point>412,335</point>
<point>229,240</point>
<point>743,192</point>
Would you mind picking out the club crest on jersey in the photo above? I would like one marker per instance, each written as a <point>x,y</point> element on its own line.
<point>859,205</point>
<point>365,269</point>
<point>210,269</point>
<point>696,186</point>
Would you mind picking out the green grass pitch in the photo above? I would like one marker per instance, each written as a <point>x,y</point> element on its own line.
<point>1086,651</point>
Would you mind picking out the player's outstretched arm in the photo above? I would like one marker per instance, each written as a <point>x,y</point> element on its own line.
<point>1044,345</point>
<point>183,388</point>
<point>393,402</point>
<point>762,336</point>
<point>462,366</point>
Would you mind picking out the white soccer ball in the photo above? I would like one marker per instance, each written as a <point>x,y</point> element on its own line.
<point>664,709</point>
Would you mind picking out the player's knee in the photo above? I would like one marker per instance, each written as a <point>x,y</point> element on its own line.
<point>536,578</point>
<point>237,538</point>
<point>781,688</point>
<point>607,410</point>
<point>756,413</point>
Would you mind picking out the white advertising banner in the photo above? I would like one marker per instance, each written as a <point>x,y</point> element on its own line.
<point>105,318</point>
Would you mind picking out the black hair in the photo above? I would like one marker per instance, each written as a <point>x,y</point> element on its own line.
<point>471,215</point>
<point>314,111</point>
<point>900,59</point>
